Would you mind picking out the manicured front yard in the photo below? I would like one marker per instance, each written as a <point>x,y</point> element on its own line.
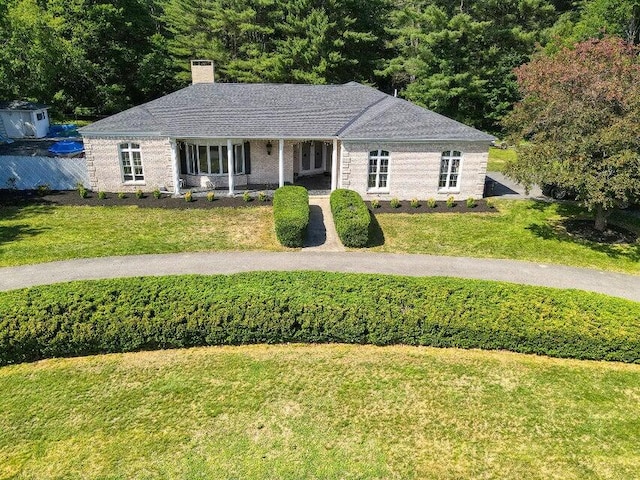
<point>41,233</point>
<point>522,230</point>
<point>323,411</point>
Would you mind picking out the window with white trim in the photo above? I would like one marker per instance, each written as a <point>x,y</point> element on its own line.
<point>202,159</point>
<point>450,170</point>
<point>378,170</point>
<point>131,161</point>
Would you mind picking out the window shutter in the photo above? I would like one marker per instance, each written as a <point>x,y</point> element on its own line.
<point>247,158</point>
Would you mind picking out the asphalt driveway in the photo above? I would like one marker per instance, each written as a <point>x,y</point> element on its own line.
<point>526,273</point>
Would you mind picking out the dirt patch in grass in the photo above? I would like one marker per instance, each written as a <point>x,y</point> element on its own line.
<point>480,206</point>
<point>584,230</point>
<point>72,198</point>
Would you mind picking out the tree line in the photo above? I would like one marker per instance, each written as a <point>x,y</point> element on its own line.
<point>93,57</point>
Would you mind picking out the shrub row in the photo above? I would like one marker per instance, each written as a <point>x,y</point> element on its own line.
<point>351,217</point>
<point>291,215</point>
<point>122,315</point>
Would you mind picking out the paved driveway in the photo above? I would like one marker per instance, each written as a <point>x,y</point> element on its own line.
<point>498,185</point>
<point>528,273</point>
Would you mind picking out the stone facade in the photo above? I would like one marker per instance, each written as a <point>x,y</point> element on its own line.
<point>414,169</point>
<point>105,170</point>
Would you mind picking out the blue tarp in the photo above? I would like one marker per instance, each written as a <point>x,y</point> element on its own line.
<point>66,148</point>
<point>66,130</point>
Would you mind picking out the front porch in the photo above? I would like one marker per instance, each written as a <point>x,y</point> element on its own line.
<point>237,165</point>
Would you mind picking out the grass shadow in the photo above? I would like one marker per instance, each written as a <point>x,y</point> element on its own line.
<point>376,235</point>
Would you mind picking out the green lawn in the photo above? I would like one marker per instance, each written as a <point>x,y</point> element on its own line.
<point>498,157</point>
<point>323,411</point>
<point>522,230</point>
<point>34,234</point>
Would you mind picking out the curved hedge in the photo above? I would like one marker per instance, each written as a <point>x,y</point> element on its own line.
<point>351,217</point>
<point>168,312</point>
<point>291,215</point>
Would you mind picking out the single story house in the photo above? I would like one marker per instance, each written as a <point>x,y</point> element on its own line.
<point>236,136</point>
<point>21,119</point>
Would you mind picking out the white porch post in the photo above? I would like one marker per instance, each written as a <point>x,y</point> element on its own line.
<point>281,162</point>
<point>175,164</point>
<point>334,165</point>
<point>230,165</point>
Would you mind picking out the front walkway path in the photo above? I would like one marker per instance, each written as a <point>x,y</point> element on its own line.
<point>321,233</point>
<point>615,284</point>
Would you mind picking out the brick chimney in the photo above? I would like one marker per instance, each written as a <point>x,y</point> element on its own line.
<point>202,71</point>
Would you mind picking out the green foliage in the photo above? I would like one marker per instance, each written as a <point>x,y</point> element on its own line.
<point>157,194</point>
<point>579,115</point>
<point>394,203</point>
<point>291,215</point>
<point>102,194</point>
<point>351,217</point>
<point>211,196</point>
<point>451,202</point>
<point>122,195</point>
<point>375,203</point>
<point>431,203</point>
<point>262,196</point>
<point>457,57</point>
<point>139,193</point>
<point>173,312</point>
<point>246,196</point>
<point>188,196</point>
<point>82,191</point>
<point>415,203</point>
<point>43,189</point>
<point>471,202</point>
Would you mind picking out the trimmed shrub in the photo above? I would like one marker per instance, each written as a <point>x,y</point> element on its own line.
<point>351,217</point>
<point>471,202</point>
<point>188,196</point>
<point>431,203</point>
<point>415,203</point>
<point>395,203</point>
<point>211,196</point>
<point>291,215</point>
<point>123,315</point>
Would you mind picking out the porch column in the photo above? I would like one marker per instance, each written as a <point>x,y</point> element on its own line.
<point>281,162</point>
<point>175,166</point>
<point>230,165</point>
<point>334,166</point>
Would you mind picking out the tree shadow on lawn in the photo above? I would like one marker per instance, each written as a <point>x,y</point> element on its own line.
<point>11,233</point>
<point>565,230</point>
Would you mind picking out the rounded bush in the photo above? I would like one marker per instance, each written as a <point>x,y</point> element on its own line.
<point>291,215</point>
<point>351,217</point>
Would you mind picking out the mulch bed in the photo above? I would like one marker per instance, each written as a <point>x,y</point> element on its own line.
<point>584,230</point>
<point>481,206</point>
<point>71,197</point>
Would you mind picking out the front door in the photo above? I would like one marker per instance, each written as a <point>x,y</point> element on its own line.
<point>313,157</point>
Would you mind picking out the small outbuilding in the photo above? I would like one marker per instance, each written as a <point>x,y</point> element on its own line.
<point>21,119</point>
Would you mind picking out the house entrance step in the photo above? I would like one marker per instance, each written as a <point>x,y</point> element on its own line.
<point>321,233</point>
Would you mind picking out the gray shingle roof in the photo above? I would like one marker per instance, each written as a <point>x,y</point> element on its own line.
<point>219,110</point>
<point>21,105</point>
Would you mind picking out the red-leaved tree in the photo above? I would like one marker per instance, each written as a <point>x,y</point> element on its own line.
<point>578,123</point>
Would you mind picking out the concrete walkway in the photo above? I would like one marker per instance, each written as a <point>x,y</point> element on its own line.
<point>615,284</point>
<point>321,233</point>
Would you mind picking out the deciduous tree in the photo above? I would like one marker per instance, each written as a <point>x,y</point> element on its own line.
<point>579,123</point>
